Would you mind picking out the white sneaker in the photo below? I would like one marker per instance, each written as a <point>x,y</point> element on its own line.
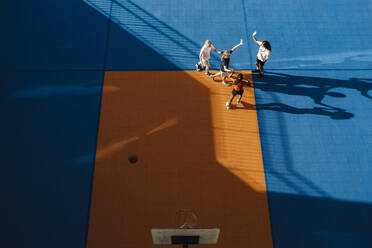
<point>237,102</point>
<point>224,83</point>
<point>228,105</point>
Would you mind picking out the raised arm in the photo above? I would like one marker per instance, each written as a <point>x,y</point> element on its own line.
<point>235,47</point>
<point>254,38</point>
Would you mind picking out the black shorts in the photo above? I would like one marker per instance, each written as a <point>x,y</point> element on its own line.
<point>240,92</point>
<point>261,63</point>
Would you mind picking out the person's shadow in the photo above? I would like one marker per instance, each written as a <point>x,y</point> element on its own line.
<point>315,88</point>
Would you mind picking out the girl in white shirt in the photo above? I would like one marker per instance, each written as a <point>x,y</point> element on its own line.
<point>204,56</point>
<point>262,55</point>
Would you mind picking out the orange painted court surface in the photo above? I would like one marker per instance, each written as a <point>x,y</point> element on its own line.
<point>192,152</point>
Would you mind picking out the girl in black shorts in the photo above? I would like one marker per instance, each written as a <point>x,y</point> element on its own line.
<point>262,55</point>
<point>237,90</point>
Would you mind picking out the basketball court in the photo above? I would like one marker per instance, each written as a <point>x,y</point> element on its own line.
<point>192,153</point>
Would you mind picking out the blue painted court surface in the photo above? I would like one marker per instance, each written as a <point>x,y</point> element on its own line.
<point>313,105</point>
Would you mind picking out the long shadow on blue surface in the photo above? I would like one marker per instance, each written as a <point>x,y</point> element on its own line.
<point>315,88</point>
<point>300,219</point>
<point>332,112</point>
<point>291,85</point>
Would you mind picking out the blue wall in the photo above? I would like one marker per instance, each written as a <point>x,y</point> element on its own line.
<point>52,79</point>
<point>315,135</point>
<point>313,105</point>
<point>55,54</point>
<point>50,133</point>
<point>305,35</point>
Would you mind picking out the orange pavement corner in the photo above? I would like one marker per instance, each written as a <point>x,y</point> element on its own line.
<point>192,153</point>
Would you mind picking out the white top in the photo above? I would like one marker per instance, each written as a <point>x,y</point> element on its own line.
<point>263,53</point>
<point>205,52</point>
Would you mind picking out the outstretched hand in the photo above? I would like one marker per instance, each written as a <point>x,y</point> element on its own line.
<point>241,41</point>
<point>254,33</point>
